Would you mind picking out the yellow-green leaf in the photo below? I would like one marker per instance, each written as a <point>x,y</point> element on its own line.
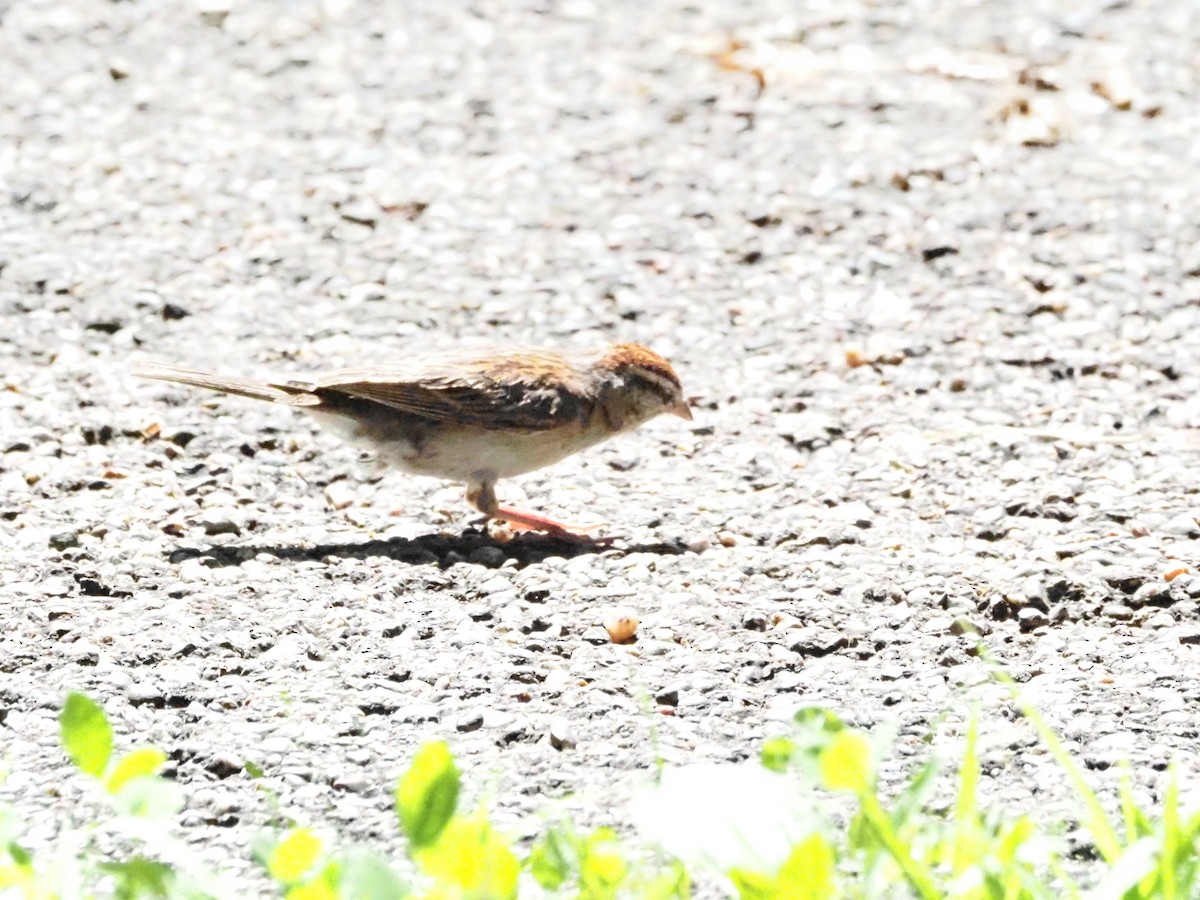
<point>471,861</point>
<point>845,763</point>
<point>86,734</point>
<point>810,872</point>
<point>552,860</point>
<point>672,884</point>
<point>427,794</point>
<point>752,885</point>
<point>294,856</point>
<point>135,764</point>
<point>603,866</point>
<point>13,875</point>
<point>323,887</point>
<point>777,753</point>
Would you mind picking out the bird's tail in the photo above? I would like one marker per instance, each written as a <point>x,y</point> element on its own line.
<point>243,387</point>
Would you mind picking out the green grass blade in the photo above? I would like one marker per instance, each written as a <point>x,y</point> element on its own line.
<point>1096,820</point>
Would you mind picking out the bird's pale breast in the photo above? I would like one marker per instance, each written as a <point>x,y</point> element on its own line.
<point>464,454</point>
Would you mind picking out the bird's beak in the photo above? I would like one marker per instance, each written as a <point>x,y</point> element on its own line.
<point>682,410</point>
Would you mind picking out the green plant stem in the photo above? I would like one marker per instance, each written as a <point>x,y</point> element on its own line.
<point>918,876</point>
<point>1105,836</point>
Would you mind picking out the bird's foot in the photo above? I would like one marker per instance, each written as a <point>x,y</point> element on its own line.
<point>570,533</point>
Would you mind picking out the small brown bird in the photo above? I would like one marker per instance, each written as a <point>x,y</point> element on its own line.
<point>476,417</point>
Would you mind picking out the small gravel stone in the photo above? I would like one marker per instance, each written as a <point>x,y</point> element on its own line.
<point>753,621</point>
<point>469,722</point>
<point>64,540</point>
<point>56,587</point>
<point>1151,594</point>
<point>1124,579</point>
<point>143,692</point>
<point>417,713</point>
<point>595,635</point>
<point>495,585</point>
<point>562,736</point>
<point>340,494</point>
<point>961,626</point>
<point>220,521</point>
<point>1030,619</point>
<point>668,696</point>
<point>813,641</point>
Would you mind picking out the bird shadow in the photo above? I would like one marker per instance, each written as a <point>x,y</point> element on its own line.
<point>472,547</point>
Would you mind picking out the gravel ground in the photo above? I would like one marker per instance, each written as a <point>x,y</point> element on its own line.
<point>935,291</point>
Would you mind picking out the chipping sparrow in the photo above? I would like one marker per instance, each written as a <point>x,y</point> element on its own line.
<point>476,417</point>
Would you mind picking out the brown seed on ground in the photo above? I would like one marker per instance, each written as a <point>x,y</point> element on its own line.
<point>621,625</point>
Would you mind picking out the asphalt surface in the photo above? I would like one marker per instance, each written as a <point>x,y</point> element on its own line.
<point>928,271</point>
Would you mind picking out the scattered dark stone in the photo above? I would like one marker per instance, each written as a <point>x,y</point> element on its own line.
<point>1031,619</point>
<point>360,212</point>
<point>623,463</point>
<point>561,735</point>
<point>1064,591</point>
<point>809,430</point>
<point>929,254</point>
<point>143,694</point>
<point>378,709</point>
<point>668,697</point>
<point>223,766</point>
<point>596,635</point>
<point>469,722</point>
<point>1155,593</point>
<point>816,642</point>
<point>883,594</point>
<point>101,435</point>
<point>754,622</point>
<point>216,524</point>
<point>64,540</point>
<point>1125,580</point>
<point>417,713</point>
<point>91,586</point>
<point>961,626</point>
<point>106,326</point>
<point>172,312</point>
<point>1060,511</point>
<point>517,735</point>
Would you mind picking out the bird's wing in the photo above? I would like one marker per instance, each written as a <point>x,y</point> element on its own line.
<point>505,393</point>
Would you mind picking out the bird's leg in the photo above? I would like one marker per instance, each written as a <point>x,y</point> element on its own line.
<point>483,497</point>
